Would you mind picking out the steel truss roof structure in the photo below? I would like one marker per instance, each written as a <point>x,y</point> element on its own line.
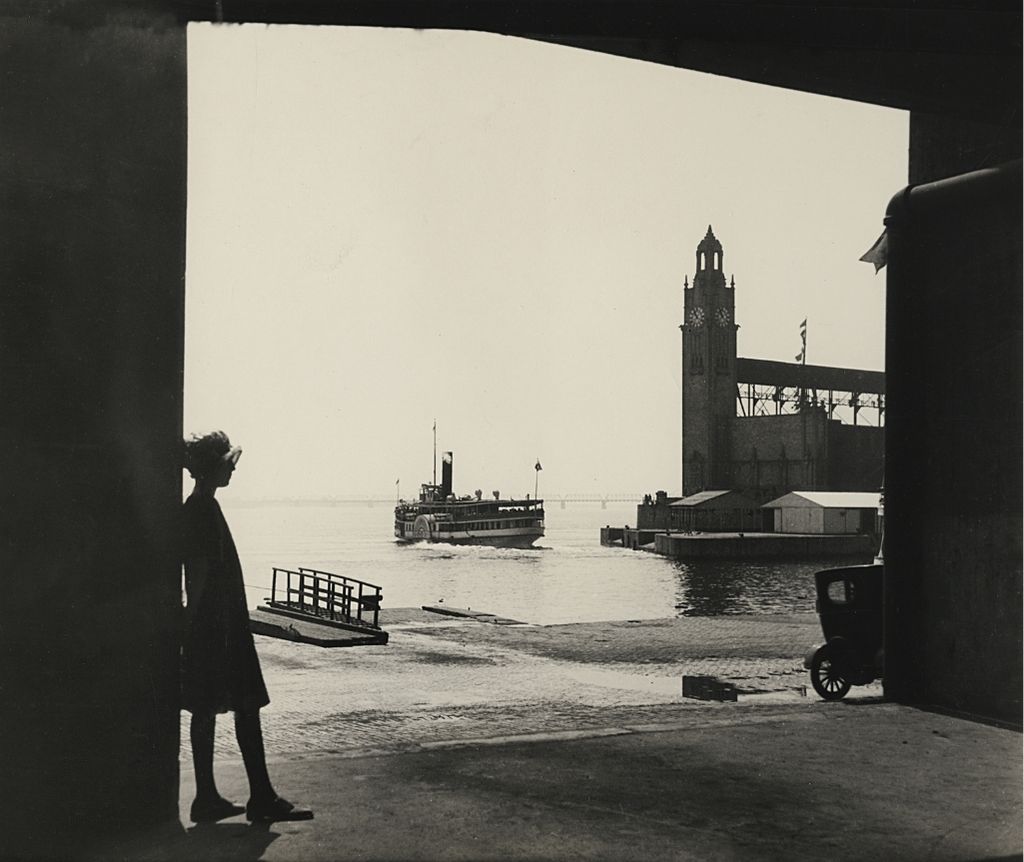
<point>768,388</point>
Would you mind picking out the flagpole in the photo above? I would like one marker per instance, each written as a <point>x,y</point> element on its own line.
<point>803,359</point>
<point>807,481</point>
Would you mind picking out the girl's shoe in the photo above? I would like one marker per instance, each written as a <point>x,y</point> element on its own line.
<point>211,811</point>
<point>275,810</point>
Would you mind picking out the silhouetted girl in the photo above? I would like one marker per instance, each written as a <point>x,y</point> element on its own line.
<point>220,668</point>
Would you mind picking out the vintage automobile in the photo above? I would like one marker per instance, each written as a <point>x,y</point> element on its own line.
<point>849,605</point>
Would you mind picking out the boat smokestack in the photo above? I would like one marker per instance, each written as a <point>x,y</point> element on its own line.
<point>446,475</point>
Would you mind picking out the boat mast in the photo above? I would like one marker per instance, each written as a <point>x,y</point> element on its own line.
<point>435,451</point>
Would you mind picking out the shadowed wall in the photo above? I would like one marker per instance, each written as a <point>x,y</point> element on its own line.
<point>92,229</point>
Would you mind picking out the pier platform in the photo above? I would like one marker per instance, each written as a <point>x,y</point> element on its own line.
<point>276,623</point>
<point>470,614</point>
<point>729,546</point>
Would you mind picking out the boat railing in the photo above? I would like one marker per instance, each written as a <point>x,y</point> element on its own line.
<point>327,595</point>
<point>527,507</point>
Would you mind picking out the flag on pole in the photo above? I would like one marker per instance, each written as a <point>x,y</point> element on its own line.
<point>537,466</point>
<point>803,341</point>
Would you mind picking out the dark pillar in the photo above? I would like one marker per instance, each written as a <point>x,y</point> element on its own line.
<point>953,438</point>
<point>92,238</point>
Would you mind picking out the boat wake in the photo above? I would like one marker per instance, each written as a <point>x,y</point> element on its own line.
<point>477,552</point>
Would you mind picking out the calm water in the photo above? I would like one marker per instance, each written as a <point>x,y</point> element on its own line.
<point>567,577</point>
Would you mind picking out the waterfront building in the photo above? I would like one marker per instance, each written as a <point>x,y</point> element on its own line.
<point>715,511</point>
<point>764,427</point>
<point>831,512</point>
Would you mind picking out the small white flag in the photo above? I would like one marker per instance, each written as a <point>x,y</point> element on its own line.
<point>878,254</point>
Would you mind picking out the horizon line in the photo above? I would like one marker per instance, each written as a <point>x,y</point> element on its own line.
<point>377,498</point>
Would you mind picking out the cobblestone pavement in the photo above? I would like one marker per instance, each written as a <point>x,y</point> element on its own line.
<point>443,679</point>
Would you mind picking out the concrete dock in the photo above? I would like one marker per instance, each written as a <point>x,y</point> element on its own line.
<point>466,740</point>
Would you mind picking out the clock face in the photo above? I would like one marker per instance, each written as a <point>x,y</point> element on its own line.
<point>723,317</point>
<point>696,317</point>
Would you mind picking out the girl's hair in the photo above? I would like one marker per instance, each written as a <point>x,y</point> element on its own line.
<point>203,453</point>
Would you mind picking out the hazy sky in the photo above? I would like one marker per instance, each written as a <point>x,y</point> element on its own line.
<point>388,226</point>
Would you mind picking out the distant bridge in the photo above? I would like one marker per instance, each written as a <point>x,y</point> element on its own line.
<point>370,500</point>
<point>597,498</point>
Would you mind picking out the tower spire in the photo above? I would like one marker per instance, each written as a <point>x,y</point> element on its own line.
<point>709,259</point>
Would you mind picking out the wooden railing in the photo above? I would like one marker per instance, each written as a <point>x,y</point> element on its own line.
<point>327,596</point>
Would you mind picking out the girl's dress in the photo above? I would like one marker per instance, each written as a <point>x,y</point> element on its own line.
<point>220,668</point>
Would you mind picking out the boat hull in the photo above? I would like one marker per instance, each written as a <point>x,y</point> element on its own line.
<point>520,540</point>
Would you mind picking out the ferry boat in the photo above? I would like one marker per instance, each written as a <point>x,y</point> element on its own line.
<point>440,516</point>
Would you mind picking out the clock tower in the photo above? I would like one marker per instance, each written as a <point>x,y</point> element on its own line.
<point>709,372</point>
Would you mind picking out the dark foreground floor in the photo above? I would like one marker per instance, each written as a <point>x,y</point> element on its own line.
<point>855,780</point>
